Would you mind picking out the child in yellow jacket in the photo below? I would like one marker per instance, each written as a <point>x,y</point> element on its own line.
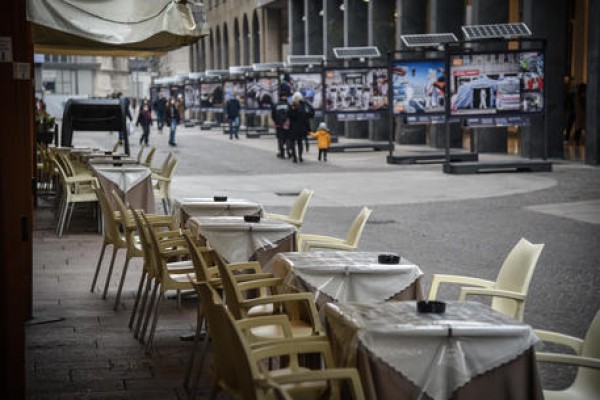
<point>323,140</point>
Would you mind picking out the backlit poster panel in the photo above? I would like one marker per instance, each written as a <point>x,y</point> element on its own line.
<point>211,96</point>
<point>496,83</point>
<point>261,92</point>
<point>418,86</point>
<point>310,85</point>
<point>237,87</point>
<point>352,90</point>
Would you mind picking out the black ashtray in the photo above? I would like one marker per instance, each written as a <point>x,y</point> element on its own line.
<point>220,198</point>
<point>108,153</point>
<point>432,307</point>
<point>388,259</point>
<point>252,218</point>
<point>116,157</point>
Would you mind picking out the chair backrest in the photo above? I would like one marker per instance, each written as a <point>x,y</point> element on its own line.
<point>150,263</point>
<point>515,275</point>
<point>235,373</point>
<point>201,257</point>
<point>170,169</point>
<point>65,162</point>
<point>301,205</point>
<point>163,167</point>
<point>111,226</point>
<point>233,294</point>
<point>588,377</point>
<point>116,147</point>
<point>356,229</point>
<point>139,154</point>
<point>149,157</point>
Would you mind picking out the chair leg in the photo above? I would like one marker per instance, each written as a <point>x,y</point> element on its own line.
<point>192,360</point>
<point>138,296</point>
<point>149,312</point>
<point>150,341</point>
<point>121,282</point>
<point>60,209</point>
<point>71,209</point>
<point>142,311</point>
<point>164,202</point>
<point>110,269</point>
<point>98,267</point>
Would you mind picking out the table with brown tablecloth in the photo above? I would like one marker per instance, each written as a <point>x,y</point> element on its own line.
<point>132,183</point>
<point>342,276</point>
<point>470,352</point>
<point>239,241</point>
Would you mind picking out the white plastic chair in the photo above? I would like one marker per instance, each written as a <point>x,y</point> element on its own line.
<point>586,385</point>
<point>162,185</point>
<point>509,291</point>
<point>296,215</point>
<point>350,243</point>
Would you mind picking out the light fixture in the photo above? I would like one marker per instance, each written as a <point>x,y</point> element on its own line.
<point>342,7</point>
<point>321,13</point>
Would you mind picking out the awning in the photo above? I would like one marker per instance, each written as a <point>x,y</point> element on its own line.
<point>114,27</point>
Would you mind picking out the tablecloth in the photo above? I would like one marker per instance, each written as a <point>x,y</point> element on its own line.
<point>348,276</point>
<point>132,183</point>
<point>240,241</point>
<point>206,206</point>
<point>435,356</point>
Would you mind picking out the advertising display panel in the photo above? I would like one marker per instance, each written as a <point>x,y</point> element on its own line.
<point>238,87</point>
<point>177,91</point>
<point>261,92</point>
<point>192,96</point>
<point>356,90</point>
<point>418,86</point>
<point>165,91</point>
<point>310,85</point>
<point>492,83</point>
<point>212,96</point>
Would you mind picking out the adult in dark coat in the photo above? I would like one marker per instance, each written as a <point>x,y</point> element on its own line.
<point>279,114</point>
<point>299,125</point>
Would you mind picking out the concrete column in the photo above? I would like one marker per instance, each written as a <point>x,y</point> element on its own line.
<point>356,24</point>
<point>313,27</point>
<point>412,19</point>
<point>592,129</point>
<point>549,23</point>
<point>493,140</point>
<point>296,26</point>
<point>381,26</point>
<point>333,36</point>
<point>273,40</point>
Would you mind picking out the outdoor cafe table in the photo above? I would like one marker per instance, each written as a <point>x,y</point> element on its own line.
<point>239,241</point>
<point>207,207</point>
<point>343,276</point>
<point>470,352</point>
<point>132,183</point>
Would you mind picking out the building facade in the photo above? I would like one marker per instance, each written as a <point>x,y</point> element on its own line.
<point>243,32</point>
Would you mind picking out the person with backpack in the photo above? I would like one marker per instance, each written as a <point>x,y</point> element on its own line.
<point>279,115</point>
<point>299,125</point>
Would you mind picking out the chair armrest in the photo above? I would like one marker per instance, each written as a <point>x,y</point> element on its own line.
<point>259,284</point>
<point>160,178</point>
<point>245,266</point>
<point>573,342</point>
<point>568,359</point>
<point>82,179</point>
<point>289,346</point>
<point>307,246</point>
<point>321,238</point>
<point>296,222</point>
<point>457,279</point>
<point>508,294</point>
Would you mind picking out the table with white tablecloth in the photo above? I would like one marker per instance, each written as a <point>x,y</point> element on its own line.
<point>132,183</point>
<point>238,241</point>
<point>185,208</point>
<point>342,276</point>
<point>470,352</point>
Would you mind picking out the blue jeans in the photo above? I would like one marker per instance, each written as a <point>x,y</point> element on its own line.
<point>172,133</point>
<point>234,126</point>
<point>160,120</point>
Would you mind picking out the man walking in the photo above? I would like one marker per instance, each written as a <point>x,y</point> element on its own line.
<point>279,114</point>
<point>232,113</point>
<point>160,107</point>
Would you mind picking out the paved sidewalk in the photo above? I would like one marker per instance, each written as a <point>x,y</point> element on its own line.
<point>444,223</point>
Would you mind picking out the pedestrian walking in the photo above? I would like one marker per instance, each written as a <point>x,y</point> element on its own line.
<point>125,106</point>
<point>279,114</point>
<point>145,120</point>
<point>160,107</point>
<point>580,111</point>
<point>172,118</point>
<point>299,126</point>
<point>232,113</point>
<point>323,137</point>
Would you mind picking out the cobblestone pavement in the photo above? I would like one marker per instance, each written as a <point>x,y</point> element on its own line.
<point>444,223</point>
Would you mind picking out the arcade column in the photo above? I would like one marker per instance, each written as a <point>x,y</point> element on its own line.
<point>381,35</point>
<point>313,27</point>
<point>333,36</point>
<point>592,142</point>
<point>296,26</point>
<point>550,23</point>
<point>446,16</point>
